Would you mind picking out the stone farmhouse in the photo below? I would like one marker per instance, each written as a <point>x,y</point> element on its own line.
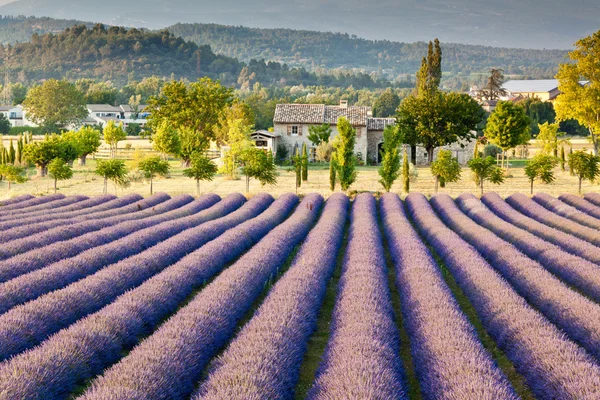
<point>291,123</point>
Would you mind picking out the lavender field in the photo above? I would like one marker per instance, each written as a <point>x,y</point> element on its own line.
<point>162,297</point>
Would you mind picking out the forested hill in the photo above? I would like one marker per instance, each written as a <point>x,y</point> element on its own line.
<point>20,28</point>
<point>336,50</point>
<point>121,55</point>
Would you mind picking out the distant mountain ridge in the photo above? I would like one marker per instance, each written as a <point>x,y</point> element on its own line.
<point>523,24</point>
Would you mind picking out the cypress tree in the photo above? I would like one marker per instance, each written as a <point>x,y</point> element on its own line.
<point>298,170</point>
<point>405,173</point>
<point>20,149</point>
<point>304,163</point>
<point>562,158</point>
<point>11,153</point>
<point>332,173</point>
<point>571,169</point>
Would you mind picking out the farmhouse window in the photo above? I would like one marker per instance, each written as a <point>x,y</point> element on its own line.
<point>295,130</point>
<point>261,143</point>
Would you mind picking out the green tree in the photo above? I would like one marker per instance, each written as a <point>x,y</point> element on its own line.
<point>332,174</point>
<point>386,105</point>
<point>18,93</point>
<point>438,119</point>
<point>12,154</point>
<point>390,163</point>
<point>55,104</point>
<point>507,126</point>
<point>298,170</point>
<point>584,166</point>
<point>445,169</point>
<point>405,173</point>
<point>238,110</point>
<point>201,169</point>
<point>12,174</point>
<point>493,89</point>
<point>86,141</point>
<point>113,134</point>
<point>258,165</point>
<point>541,167</point>
<point>40,154</point>
<point>345,160</point>
<point>485,169</point>
<point>4,124</point>
<point>112,170</point>
<point>195,110</point>
<point>562,158</point>
<point>318,134</point>
<point>577,101</point>
<point>151,167</point>
<point>238,140</point>
<point>166,140</point>
<point>59,170</point>
<point>133,129</point>
<point>304,162</point>
<point>548,138</point>
<point>539,112</point>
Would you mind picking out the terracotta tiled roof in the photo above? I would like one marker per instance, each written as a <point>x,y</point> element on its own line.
<point>319,114</point>
<point>379,124</point>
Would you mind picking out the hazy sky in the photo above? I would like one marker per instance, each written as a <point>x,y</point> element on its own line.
<point>514,23</point>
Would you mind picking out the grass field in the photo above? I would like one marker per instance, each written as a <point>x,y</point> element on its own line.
<point>86,182</point>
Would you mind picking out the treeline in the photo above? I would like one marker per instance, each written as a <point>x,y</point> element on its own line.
<point>15,29</point>
<point>123,55</point>
<point>314,50</point>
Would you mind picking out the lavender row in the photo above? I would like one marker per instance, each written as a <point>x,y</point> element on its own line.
<point>575,314</point>
<point>95,250</point>
<point>553,366</point>
<point>59,204</point>
<point>576,271</point>
<point>57,365</point>
<point>127,212</point>
<point>534,210</point>
<point>567,211</point>
<point>565,241</point>
<point>26,325</point>
<point>449,360</point>
<point>581,204</point>
<point>23,206</point>
<point>593,198</point>
<point>62,250</point>
<point>263,362</point>
<point>361,360</point>
<point>168,363</point>
<point>15,200</point>
<point>102,202</point>
<point>77,203</point>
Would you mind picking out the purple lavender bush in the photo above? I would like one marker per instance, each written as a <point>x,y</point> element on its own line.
<point>583,205</point>
<point>361,360</point>
<point>552,365</point>
<point>574,270</point>
<point>26,325</point>
<point>133,205</point>
<point>24,206</point>
<point>263,362</point>
<point>62,248</point>
<point>15,200</point>
<point>449,360</point>
<point>55,266</point>
<point>61,363</point>
<point>565,210</point>
<point>502,209</point>
<point>58,205</point>
<point>169,362</point>
<point>534,210</point>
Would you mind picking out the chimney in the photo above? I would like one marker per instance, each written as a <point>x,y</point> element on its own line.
<point>344,103</point>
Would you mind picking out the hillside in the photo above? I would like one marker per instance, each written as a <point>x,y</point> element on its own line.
<point>20,28</point>
<point>122,55</point>
<point>312,50</point>
<point>527,24</point>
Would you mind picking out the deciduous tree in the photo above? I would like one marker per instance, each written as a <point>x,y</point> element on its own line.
<point>112,170</point>
<point>55,104</point>
<point>485,169</point>
<point>541,167</point>
<point>386,105</point>
<point>201,169</point>
<point>86,141</point>
<point>59,170</point>
<point>151,167</point>
<point>507,126</point>
<point>390,162</point>
<point>584,166</point>
<point>259,165</point>
<point>318,134</point>
<point>12,174</point>
<point>166,141</point>
<point>113,134</point>
<point>345,160</point>
<point>445,169</point>
<point>577,101</point>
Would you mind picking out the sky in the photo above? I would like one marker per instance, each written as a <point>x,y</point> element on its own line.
<point>512,23</point>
